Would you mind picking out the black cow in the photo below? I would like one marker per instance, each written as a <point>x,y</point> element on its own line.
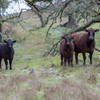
<point>7,52</point>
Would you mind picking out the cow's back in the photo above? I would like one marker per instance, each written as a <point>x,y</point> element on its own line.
<point>80,42</point>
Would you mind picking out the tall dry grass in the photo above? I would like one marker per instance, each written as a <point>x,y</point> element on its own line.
<point>71,90</point>
<point>19,87</point>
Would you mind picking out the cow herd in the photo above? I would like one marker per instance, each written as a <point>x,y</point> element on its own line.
<point>76,42</point>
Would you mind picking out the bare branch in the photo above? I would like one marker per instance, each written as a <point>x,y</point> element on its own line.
<point>53,51</point>
<point>93,21</point>
<point>62,9</point>
<point>11,17</point>
<point>60,12</point>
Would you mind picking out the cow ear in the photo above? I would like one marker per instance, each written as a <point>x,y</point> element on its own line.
<point>72,39</point>
<point>87,30</point>
<point>14,41</point>
<point>96,30</point>
<point>5,41</point>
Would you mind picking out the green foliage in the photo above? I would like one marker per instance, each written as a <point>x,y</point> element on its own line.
<point>38,1</point>
<point>3,4</point>
<point>82,9</point>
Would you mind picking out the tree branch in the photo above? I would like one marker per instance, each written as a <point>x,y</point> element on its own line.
<point>93,21</point>
<point>62,9</point>
<point>52,50</point>
<point>60,12</point>
<point>96,49</point>
<point>11,17</point>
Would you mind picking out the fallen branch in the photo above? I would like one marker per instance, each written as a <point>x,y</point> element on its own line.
<point>96,49</point>
<point>53,50</point>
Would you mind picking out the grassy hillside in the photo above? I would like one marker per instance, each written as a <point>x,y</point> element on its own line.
<point>35,77</point>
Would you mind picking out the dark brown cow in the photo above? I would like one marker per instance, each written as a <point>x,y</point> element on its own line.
<point>66,50</point>
<point>84,43</point>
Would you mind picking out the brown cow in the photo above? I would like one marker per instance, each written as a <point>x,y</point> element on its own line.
<point>84,43</point>
<point>66,50</point>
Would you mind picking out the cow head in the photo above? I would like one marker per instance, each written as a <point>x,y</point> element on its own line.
<point>10,43</point>
<point>91,33</point>
<point>68,41</point>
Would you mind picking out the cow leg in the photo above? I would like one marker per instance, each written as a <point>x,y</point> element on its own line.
<point>61,60</point>
<point>65,61</point>
<point>84,58</point>
<point>10,62</point>
<point>6,63</point>
<point>76,57</point>
<point>71,60</point>
<point>0,64</point>
<point>68,61</point>
<point>91,57</point>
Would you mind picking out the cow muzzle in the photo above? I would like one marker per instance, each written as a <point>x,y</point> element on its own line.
<point>91,38</point>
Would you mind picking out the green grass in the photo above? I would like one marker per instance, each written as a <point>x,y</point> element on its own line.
<point>29,55</point>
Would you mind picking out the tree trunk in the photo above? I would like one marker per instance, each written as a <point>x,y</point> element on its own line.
<point>40,17</point>
<point>38,13</point>
<point>71,23</point>
<point>0,32</point>
<point>0,29</point>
